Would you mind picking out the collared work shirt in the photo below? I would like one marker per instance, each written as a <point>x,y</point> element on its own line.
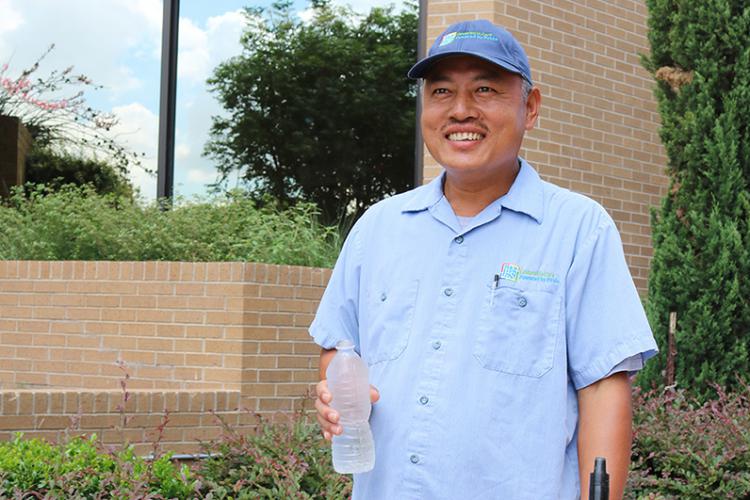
<point>478,338</point>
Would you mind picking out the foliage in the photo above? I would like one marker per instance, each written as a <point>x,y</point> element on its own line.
<point>80,469</point>
<point>319,110</point>
<point>683,449</point>
<point>54,110</point>
<point>280,460</point>
<point>700,55</point>
<point>56,169</point>
<point>78,224</point>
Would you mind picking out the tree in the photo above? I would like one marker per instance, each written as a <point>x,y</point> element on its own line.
<point>55,169</point>
<point>700,55</point>
<point>68,134</point>
<point>320,110</point>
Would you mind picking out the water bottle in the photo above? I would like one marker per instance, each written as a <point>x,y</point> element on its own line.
<point>353,450</point>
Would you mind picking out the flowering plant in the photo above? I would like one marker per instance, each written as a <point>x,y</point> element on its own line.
<point>55,112</point>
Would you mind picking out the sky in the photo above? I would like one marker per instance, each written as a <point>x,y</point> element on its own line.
<point>117,43</point>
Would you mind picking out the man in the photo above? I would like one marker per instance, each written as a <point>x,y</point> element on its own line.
<point>495,310</point>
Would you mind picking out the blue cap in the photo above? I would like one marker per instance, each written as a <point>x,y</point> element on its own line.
<point>480,39</point>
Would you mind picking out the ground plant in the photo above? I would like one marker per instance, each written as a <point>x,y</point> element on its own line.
<point>76,223</point>
<point>683,449</point>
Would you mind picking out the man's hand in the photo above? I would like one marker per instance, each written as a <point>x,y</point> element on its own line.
<point>328,418</point>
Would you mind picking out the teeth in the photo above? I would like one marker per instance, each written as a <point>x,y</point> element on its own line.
<point>464,136</point>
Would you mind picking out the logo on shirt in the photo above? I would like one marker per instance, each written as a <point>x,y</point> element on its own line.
<point>514,272</point>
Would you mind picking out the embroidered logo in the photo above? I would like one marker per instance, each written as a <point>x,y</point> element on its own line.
<point>467,35</point>
<point>514,272</point>
<point>510,272</point>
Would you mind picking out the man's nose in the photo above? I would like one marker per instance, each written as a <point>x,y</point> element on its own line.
<point>464,107</point>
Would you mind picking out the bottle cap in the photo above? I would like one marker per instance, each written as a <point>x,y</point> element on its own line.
<point>344,344</point>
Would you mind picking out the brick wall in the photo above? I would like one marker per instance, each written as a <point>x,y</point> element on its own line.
<point>598,130</point>
<point>190,416</point>
<point>183,328</point>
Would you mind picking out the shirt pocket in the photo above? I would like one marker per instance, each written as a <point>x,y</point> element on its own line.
<point>391,312</point>
<point>517,330</point>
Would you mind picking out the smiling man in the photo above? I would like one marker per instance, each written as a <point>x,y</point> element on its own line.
<point>495,310</point>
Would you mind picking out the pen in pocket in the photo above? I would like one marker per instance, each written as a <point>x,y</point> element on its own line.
<point>495,282</point>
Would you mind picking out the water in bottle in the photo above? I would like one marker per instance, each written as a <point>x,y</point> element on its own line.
<point>353,450</point>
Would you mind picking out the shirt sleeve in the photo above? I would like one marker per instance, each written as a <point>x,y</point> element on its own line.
<point>337,317</point>
<point>605,320</point>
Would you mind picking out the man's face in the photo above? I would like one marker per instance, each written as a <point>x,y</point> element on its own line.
<point>474,116</point>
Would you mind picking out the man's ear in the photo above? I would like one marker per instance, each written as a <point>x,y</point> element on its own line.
<point>533,102</point>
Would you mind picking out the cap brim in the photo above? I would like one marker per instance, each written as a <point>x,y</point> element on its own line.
<point>420,69</point>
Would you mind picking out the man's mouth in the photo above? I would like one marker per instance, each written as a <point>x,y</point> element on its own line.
<point>465,136</point>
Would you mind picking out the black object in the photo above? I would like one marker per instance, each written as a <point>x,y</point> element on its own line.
<point>167,100</point>
<point>599,480</point>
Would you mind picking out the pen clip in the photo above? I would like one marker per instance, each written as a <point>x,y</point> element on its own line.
<point>495,283</point>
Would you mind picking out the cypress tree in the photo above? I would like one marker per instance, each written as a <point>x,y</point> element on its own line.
<point>700,57</point>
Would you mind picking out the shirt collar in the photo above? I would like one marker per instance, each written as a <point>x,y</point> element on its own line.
<point>526,195</point>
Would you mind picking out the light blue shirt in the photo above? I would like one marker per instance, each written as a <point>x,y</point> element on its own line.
<point>479,337</point>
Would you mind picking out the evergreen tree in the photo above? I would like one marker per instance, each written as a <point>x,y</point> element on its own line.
<point>700,56</point>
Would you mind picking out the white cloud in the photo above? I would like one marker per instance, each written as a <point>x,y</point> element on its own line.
<point>182,151</point>
<point>201,176</point>
<point>200,50</point>
<point>138,129</point>
<point>10,19</point>
<point>93,36</point>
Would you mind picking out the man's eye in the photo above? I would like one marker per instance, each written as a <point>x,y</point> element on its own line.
<point>484,89</point>
<point>440,91</point>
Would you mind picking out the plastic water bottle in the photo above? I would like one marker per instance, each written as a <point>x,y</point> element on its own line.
<point>353,450</point>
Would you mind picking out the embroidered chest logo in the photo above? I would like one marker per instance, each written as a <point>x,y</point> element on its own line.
<point>514,272</point>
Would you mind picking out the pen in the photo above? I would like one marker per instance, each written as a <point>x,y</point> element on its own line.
<point>495,283</point>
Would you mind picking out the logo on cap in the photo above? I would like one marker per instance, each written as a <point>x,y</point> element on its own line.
<point>468,35</point>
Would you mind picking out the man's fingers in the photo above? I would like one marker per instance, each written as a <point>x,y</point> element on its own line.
<point>374,394</point>
<point>321,389</point>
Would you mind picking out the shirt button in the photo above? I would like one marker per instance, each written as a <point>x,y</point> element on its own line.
<point>383,297</point>
<point>448,292</point>
<point>436,345</point>
<point>424,400</point>
<point>414,459</point>
<point>522,301</point>
<point>459,239</point>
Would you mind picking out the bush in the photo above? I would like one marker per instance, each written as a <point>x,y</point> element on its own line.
<point>80,469</point>
<point>682,449</point>
<point>76,223</point>
<point>278,461</point>
<point>686,450</point>
<point>58,168</point>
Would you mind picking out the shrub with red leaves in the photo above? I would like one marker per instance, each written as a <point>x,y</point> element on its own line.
<point>686,450</point>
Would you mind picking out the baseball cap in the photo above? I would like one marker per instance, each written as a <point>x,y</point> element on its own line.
<point>480,39</point>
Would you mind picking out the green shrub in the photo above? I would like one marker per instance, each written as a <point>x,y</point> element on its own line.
<point>75,223</point>
<point>80,469</point>
<point>683,449</point>
<point>279,460</point>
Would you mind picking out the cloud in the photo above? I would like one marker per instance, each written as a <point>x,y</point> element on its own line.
<point>200,50</point>
<point>95,37</point>
<point>201,176</point>
<point>138,130</point>
<point>10,19</point>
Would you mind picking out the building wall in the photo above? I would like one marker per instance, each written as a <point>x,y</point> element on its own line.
<point>15,142</point>
<point>598,130</point>
<point>230,337</point>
